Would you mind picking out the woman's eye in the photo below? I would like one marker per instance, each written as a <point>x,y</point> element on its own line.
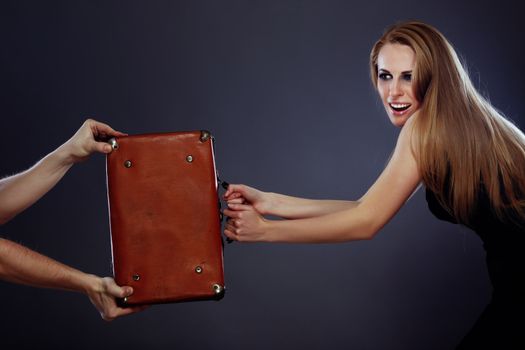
<point>407,77</point>
<point>385,76</point>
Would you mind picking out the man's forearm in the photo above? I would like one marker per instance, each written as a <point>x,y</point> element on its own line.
<point>20,191</point>
<point>21,265</point>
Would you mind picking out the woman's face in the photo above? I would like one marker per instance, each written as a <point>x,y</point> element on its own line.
<point>395,64</point>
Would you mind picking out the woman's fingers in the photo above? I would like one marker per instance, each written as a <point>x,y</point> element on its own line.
<point>232,194</point>
<point>231,213</point>
<point>231,235</point>
<point>239,207</point>
<point>232,188</point>
<point>239,200</point>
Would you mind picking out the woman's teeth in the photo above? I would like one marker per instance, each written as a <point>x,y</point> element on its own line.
<point>399,107</point>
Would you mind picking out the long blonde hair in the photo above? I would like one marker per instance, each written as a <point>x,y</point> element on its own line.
<point>462,144</point>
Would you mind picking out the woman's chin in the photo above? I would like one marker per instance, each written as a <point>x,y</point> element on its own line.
<point>399,119</point>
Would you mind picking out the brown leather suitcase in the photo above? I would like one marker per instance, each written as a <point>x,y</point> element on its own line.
<point>164,216</point>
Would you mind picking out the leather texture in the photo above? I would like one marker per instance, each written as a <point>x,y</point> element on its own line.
<point>164,217</point>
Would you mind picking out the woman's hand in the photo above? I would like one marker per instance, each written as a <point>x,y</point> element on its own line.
<point>245,224</point>
<point>90,138</point>
<point>241,194</point>
<point>103,296</point>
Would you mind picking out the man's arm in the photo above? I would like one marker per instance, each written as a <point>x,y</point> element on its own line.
<point>21,265</point>
<point>20,191</point>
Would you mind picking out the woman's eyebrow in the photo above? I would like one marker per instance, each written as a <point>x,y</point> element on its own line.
<point>382,70</point>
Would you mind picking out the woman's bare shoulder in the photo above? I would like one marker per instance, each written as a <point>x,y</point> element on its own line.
<point>408,136</point>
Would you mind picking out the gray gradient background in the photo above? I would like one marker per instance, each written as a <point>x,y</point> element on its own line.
<point>284,87</point>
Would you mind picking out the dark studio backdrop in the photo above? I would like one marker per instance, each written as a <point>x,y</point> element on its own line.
<point>284,87</point>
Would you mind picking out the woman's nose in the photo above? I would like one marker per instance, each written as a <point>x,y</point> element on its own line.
<point>395,89</point>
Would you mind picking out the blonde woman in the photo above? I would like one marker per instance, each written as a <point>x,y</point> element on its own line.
<point>468,156</point>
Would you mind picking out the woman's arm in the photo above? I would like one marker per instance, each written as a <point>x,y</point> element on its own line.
<point>287,207</point>
<point>21,265</point>
<point>20,191</point>
<point>391,190</point>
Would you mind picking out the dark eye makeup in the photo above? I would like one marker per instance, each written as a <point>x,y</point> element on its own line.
<point>385,76</point>
<point>388,76</point>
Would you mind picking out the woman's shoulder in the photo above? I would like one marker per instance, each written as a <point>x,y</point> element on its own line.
<point>406,138</point>
<point>410,123</point>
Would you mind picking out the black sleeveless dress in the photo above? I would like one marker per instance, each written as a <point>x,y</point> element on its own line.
<point>502,323</point>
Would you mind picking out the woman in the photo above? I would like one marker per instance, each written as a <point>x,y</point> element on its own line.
<point>470,158</point>
<point>19,264</point>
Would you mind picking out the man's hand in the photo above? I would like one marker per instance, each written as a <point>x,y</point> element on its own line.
<point>103,295</point>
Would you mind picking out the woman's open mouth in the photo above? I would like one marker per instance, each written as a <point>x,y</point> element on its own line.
<point>399,107</point>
